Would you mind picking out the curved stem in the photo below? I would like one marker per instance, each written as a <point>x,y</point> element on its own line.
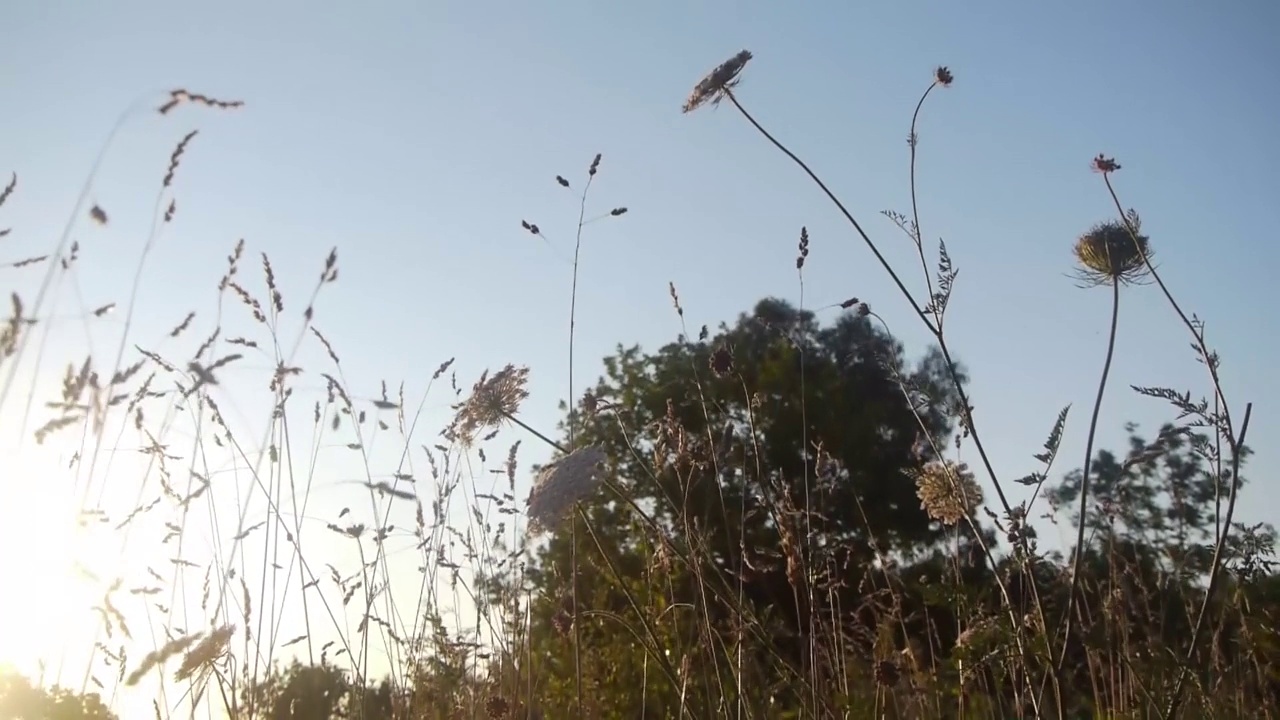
<point>1222,426</point>
<point>924,317</point>
<point>915,206</point>
<point>844,211</point>
<point>1084,480</point>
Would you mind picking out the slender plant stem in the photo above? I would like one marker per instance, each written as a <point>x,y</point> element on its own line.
<point>552,443</point>
<point>915,206</point>
<point>1084,479</point>
<point>573,309</point>
<point>844,211</point>
<point>924,317</point>
<point>1221,423</point>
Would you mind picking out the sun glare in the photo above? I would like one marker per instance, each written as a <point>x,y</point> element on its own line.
<point>46,600</point>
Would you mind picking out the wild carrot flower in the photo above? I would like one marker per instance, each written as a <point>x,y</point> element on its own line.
<point>561,485</point>
<point>947,491</point>
<point>1108,254</point>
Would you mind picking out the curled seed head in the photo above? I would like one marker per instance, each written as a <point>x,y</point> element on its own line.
<point>1108,254</point>
<point>722,361</point>
<point>713,87</point>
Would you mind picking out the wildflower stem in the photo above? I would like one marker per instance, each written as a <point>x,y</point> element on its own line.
<point>966,411</point>
<point>915,206</point>
<point>844,211</point>
<point>1084,479</point>
<point>1222,425</point>
<point>535,433</point>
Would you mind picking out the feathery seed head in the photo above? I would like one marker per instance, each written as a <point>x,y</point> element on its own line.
<point>493,399</point>
<point>713,87</point>
<point>943,76</point>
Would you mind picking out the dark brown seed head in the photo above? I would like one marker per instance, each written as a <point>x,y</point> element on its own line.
<point>713,87</point>
<point>943,76</point>
<point>721,361</point>
<point>1104,164</point>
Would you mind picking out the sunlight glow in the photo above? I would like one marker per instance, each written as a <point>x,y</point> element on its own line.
<point>45,600</point>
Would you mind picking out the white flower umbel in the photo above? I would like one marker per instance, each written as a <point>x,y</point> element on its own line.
<point>561,485</point>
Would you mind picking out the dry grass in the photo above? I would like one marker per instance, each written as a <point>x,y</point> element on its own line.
<point>421,572</point>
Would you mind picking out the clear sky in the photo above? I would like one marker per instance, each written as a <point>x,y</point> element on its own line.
<point>416,136</point>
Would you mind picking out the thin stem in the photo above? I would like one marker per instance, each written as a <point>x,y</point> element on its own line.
<point>1088,460</point>
<point>535,433</point>
<point>915,206</point>
<point>844,211</point>
<point>1236,444</point>
<point>924,317</point>
<point>573,309</point>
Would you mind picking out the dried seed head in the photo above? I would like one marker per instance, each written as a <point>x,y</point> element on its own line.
<point>493,399</point>
<point>713,87</point>
<point>948,492</point>
<point>1104,164</point>
<point>497,707</point>
<point>1108,254</point>
<point>98,215</point>
<point>561,485</point>
<point>943,76</point>
<point>722,361</point>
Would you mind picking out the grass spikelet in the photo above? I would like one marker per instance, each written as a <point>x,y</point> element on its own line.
<point>205,652</point>
<point>176,156</point>
<point>8,189</point>
<point>160,656</point>
<point>180,95</point>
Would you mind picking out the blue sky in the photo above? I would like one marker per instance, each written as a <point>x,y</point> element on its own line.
<point>416,136</point>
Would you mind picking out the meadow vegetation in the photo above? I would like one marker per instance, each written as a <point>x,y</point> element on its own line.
<point>787,516</point>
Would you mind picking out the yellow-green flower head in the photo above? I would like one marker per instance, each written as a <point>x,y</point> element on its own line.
<point>1111,253</point>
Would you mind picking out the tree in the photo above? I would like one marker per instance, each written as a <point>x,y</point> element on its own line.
<point>19,698</point>
<point>317,692</point>
<point>778,453</point>
<point>1163,498</point>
